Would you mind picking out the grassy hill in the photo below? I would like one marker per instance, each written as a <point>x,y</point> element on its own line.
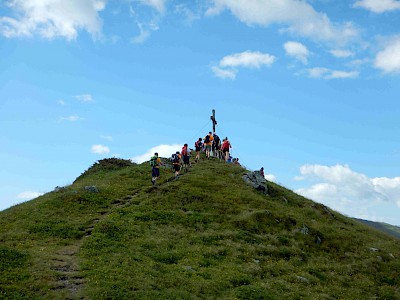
<point>207,235</point>
<point>387,228</point>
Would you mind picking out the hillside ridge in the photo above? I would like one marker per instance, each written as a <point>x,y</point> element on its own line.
<point>206,235</point>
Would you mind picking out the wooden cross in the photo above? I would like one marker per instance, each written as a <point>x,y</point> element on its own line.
<point>214,121</point>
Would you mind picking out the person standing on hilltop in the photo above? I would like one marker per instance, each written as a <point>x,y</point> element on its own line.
<point>185,156</point>
<point>155,163</point>
<point>226,145</point>
<point>208,140</point>
<point>217,146</point>
<point>198,145</point>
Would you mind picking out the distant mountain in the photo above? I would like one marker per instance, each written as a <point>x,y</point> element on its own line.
<point>206,235</point>
<point>387,228</point>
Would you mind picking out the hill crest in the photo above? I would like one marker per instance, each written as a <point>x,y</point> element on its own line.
<point>206,235</point>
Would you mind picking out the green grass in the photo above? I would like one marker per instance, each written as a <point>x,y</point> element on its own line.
<point>206,235</point>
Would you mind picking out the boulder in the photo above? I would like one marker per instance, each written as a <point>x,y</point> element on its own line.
<point>92,189</point>
<point>257,181</point>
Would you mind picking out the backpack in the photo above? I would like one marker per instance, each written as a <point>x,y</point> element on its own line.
<point>175,158</point>
<point>184,151</point>
<point>153,161</point>
<point>197,144</point>
<point>216,139</point>
<point>207,139</point>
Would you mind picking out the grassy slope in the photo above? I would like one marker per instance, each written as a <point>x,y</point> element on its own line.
<point>387,228</point>
<point>204,236</point>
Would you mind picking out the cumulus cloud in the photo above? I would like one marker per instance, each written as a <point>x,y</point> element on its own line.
<point>270,177</point>
<point>87,98</point>
<point>162,150</point>
<point>299,17</point>
<point>25,196</point>
<point>297,50</point>
<point>340,53</point>
<point>378,6</point>
<point>348,191</point>
<point>388,60</point>
<point>100,149</point>
<point>228,65</point>
<point>52,18</point>
<point>326,73</point>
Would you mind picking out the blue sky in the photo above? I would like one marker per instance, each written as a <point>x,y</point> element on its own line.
<point>307,89</point>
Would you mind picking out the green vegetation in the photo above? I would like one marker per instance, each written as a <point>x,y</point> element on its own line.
<point>206,235</point>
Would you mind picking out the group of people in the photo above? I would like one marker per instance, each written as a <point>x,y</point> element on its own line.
<point>211,145</point>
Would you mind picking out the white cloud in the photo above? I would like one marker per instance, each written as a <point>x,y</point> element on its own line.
<point>224,74</point>
<point>61,102</point>
<point>84,98</point>
<point>342,74</point>
<point>71,118</point>
<point>348,191</point>
<point>299,17</point>
<point>145,30</point>
<point>100,149</point>
<point>162,150</point>
<point>187,13</point>
<point>388,59</point>
<point>325,73</point>
<point>227,67</point>
<point>340,53</point>
<point>297,50</point>
<point>158,5</point>
<point>378,6</point>
<point>270,177</point>
<point>52,18</point>
<point>25,196</point>
<point>247,59</point>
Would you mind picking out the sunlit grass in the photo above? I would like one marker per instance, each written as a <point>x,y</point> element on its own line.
<point>206,235</point>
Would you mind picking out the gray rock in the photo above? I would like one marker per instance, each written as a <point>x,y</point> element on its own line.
<point>305,230</point>
<point>303,279</point>
<point>59,189</point>
<point>374,249</point>
<point>92,189</point>
<point>257,181</point>
<point>189,268</point>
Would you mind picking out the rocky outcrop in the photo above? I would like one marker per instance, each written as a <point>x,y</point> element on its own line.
<point>257,181</point>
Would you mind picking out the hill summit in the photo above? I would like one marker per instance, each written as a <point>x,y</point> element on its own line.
<point>206,235</point>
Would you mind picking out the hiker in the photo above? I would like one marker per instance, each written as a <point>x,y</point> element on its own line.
<point>176,163</point>
<point>236,161</point>
<point>216,147</point>
<point>185,156</point>
<point>208,140</point>
<point>226,145</point>
<point>262,171</point>
<point>155,162</point>
<point>198,145</point>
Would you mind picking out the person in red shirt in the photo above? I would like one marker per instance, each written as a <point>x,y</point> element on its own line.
<point>226,145</point>
<point>185,156</point>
